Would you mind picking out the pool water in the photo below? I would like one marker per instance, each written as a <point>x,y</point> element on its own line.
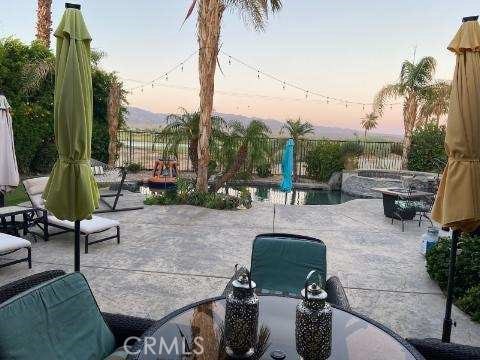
<point>273,195</point>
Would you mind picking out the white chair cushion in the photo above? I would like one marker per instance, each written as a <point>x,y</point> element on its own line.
<point>11,243</point>
<point>36,185</point>
<point>95,224</point>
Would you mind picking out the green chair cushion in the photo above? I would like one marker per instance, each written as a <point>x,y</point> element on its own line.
<point>281,262</point>
<point>56,320</point>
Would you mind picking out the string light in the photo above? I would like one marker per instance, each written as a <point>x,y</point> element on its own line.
<point>259,72</point>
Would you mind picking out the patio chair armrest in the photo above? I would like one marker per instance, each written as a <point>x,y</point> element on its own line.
<point>14,288</point>
<point>125,326</point>
<point>336,293</point>
<point>435,349</point>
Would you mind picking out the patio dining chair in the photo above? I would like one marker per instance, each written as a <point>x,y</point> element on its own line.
<point>280,263</point>
<point>53,305</point>
<point>34,188</point>
<point>408,208</point>
<point>115,176</point>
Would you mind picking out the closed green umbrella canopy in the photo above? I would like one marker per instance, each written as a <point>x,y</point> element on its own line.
<point>71,192</point>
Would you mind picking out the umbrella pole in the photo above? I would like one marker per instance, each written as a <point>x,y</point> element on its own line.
<point>447,321</point>
<point>77,246</point>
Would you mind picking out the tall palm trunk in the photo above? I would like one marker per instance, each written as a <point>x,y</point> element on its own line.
<point>44,21</point>
<point>240,159</point>
<point>193,153</point>
<point>113,111</point>
<point>410,118</point>
<point>209,22</point>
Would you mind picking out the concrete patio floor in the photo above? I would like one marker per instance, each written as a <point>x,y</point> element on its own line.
<point>174,255</point>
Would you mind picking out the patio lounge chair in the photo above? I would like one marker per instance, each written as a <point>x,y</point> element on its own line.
<point>10,244</point>
<point>34,189</point>
<point>81,330</point>
<point>435,349</point>
<point>103,172</point>
<point>280,263</point>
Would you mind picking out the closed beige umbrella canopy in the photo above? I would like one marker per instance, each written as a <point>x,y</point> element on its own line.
<point>458,201</point>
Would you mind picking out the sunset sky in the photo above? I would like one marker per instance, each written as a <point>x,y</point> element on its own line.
<point>346,49</point>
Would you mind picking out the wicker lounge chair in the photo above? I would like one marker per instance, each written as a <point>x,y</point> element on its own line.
<point>122,326</point>
<point>34,189</point>
<point>280,263</point>
<point>10,244</point>
<point>435,349</point>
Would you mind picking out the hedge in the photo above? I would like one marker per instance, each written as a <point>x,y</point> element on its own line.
<point>325,159</point>
<point>427,152</point>
<point>467,271</point>
<point>33,111</point>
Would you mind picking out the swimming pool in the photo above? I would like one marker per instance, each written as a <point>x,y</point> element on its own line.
<point>272,195</point>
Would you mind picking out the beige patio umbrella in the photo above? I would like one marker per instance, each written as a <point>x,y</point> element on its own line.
<point>9,178</point>
<point>457,204</point>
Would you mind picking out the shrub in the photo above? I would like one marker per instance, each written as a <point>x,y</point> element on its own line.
<point>427,152</point>
<point>134,167</point>
<point>32,110</point>
<point>264,170</point>
<point>323,160</point>
<point>185,194</point>
<point>44,158</point>
<point>470,302</point>
<point>467,270</point>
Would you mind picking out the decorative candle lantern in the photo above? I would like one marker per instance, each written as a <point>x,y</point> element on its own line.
<point>241,317</point>
<point>313,323</point>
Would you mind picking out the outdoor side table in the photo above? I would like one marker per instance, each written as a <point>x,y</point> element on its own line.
<point>354,336</point>
<point>9,222</point>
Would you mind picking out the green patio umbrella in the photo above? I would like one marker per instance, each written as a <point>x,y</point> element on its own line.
<point>71,192</point>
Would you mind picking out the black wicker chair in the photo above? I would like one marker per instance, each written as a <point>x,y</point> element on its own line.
<point>435,349</point>
<point>122,326</point>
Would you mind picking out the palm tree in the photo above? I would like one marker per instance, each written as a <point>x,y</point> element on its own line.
<point>249,141</point>
<point>413,86</point>
<point>185,126</point>
<point>297,129</point>
<point>209,21</point>
<point>436,103</point>
<point>369,122</point>
<point>44,21</point>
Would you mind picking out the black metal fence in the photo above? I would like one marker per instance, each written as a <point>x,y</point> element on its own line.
<point>144,147</point>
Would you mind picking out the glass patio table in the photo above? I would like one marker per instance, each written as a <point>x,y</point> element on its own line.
<point>9,222</point>
<point>199,327</point>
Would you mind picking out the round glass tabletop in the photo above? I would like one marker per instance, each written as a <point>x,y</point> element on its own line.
<point>195,332</point>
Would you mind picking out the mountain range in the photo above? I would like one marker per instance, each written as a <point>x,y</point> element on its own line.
<point>138,118</point>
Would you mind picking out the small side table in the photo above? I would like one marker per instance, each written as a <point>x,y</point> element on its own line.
<point>9,222</point>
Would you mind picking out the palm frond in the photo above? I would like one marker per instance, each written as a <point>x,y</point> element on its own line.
<point>391,91</point>
<point>254,12</point>
<point>35,73</point>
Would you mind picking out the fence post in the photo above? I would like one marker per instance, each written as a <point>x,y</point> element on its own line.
<point>130,148</point>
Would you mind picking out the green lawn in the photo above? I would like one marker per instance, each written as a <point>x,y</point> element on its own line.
<point>16,196</point>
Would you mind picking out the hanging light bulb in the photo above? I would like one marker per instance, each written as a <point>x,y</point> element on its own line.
<point>391,107</point>
<point>166,76</point>
<point>141,89</point>
<point>258,74</point>
<point>283,85</point>
<point>363,106</point>
<point>346,105</point>
<point>181,68</point>
<point>152,84</point>
<point>229,60</point>
<point>328,100</point>
<point>306,94</point>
